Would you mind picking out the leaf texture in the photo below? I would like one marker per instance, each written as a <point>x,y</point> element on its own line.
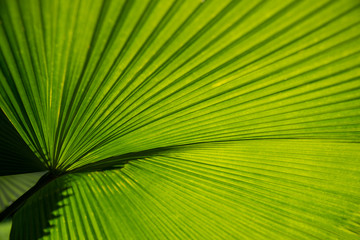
<point>15,156</point>
<point>87,80</point>
<point>13,186</point>
<point>241,190</point>
<point>210,119</point>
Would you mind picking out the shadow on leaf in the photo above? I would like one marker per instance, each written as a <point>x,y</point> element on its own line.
<point>16,157</point>
<point>36,220</point>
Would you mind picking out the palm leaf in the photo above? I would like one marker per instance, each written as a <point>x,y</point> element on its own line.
<point>13,186</point>
<point>5,228</point>
<point>205,119</point>
<point>286,189</point>
<point>12,189</point>
<point>16,157</point>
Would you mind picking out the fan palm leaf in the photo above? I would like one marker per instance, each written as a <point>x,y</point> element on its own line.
<point>183,119</point>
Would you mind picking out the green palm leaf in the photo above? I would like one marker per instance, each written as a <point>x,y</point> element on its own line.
<point>13,186</point>
<point>184,119</point>
<point>291,189</point>
<point>5,228</point>
<point>16,156</point>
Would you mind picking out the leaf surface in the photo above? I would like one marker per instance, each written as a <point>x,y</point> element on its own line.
<point>211,119</point>
<point>241,190</point>
<point>15,155</point>
<point>13,186</point>
<point>83,81</point>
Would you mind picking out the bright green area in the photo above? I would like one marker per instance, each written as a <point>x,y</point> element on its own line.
<point>87,80</point>
<point>231,119</point>
<point>284,189</point>
<point>5,228</point>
